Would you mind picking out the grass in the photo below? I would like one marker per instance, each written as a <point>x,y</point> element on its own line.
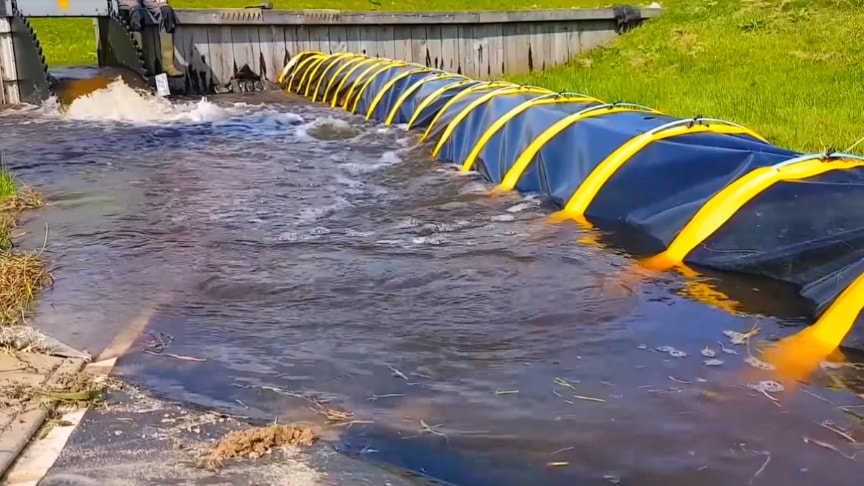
<point>786,68</point>
<point>22,274</point>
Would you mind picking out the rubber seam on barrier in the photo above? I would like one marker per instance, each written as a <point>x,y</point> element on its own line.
<point>500,123</point>
<point>723,205</point>
<point>389,85</point>
<point>414,87</point>
<point>386,67</point>
<point>597,178</point>
<point>486,98</point>
<point>462,94</point>
<point>511,178</point>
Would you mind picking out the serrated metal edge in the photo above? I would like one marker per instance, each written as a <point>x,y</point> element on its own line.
<point>17,14</point>
<point>134,42</point>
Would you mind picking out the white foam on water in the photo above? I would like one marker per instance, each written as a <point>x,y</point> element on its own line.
<point>387,159</point>
<point>120,103</point>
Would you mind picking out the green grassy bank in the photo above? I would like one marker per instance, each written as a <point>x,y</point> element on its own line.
<point>22,274</point>
<point>786,68</point>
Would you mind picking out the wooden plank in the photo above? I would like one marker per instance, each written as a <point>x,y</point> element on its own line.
<point>493,64</point>
<point>222,57</point>
<point>338,38</point>
<point>319,38</point>
<point>559,52</point>
<point>450,48</point>
<point>197,47</point>
<point>417,36</point>
<point>352,39</point>
<point>290,43</point>
<point>517,39</point>
<point>386,43</point>
<point>272,46</point>
<point>377,18</point>
<point>403,45</point>
<point>246,48</point>
<point>574,40</point>
<point>433,47</point>
<point>304,39</point>
<point>469,49</point>
<point>368,41</point>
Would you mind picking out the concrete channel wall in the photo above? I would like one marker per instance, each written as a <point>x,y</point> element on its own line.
<point>238,48</point>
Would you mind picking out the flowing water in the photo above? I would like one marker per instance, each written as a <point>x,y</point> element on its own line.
<point>304,254</point>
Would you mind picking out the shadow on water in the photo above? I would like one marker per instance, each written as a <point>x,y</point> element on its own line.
<point>308,257</point>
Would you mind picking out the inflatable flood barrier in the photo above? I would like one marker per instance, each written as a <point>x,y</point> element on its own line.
<point>701,191</point>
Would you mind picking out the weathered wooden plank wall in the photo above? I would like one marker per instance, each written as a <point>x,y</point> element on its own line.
<point>242,49</point>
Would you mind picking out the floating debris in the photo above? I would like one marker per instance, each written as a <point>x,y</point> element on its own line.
<point>675,353</point>
<point>642,347</point>
<point>725,349</point>
<point>708,352</point>
<point>736,337</point>
<point>713,362</point>
<point>767,386</point>
<point>558,464</point>
<point>759,364</point>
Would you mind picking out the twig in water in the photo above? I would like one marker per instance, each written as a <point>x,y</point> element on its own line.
<point>241,403</point>
<point>564,383</point>
<point>176,356</point>
<point>589,399</point>
<point>676,380</point>
<point>388,395</point>
<point>764,465</point>
<point>506,392</point>
<point>558,464</point>
<point>834,428</point>
<point>825,445</point>
<point>398,373</point>
<point>348,424</point>
<point>564,449</point>
<point>424,428</point>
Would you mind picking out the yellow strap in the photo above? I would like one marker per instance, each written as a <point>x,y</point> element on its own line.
<point>371,78</point>
<point>511,178</point>
<point>836,322</point>
<point>368,63</point>
<point>410,91</point>
<point>513,113</point>
<point>434,96</point>
<point>451,127</point>
<point>306,80</point>
<point>585,193</point>
<point>313,78</point>
<point>292,62</point>
<point>387,86</point>
<point>336,62</point>
<point>361,79</point>
<point>332,81</point>
<point>305,62</point>
<point>797,356</point>
<point>723,205</point>
<point>458,96</point>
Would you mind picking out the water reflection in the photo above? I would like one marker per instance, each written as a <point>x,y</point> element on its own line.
<point>308,256</point>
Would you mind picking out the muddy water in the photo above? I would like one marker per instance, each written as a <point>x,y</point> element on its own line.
<point>299,254</point>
